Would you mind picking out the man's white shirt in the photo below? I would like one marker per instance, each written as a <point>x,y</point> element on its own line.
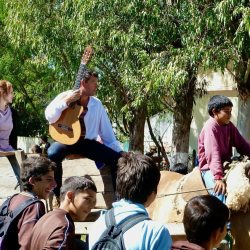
<point>96,120</point>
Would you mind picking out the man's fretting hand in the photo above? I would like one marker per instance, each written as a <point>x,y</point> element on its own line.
<point>72,97</point>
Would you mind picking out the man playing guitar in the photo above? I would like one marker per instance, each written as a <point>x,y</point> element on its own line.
<point>96,122</point>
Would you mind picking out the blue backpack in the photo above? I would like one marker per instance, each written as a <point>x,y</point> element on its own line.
<point>9,220</point>
<point>112,237</point>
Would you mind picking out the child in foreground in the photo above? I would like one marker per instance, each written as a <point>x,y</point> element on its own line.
<point>56,229</point>
<point>205,223</point>
<point>37,180</point>
<point>137,181</point>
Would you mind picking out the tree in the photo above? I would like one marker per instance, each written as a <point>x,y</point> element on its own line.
<point>233,18</point>
<point>144,51</point>
<point>28,75</point>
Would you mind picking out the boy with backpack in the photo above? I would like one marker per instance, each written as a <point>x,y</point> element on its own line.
<point>56,229</point>
<point>127,225</point>
<point>20,213</point>
<point>205,224</point>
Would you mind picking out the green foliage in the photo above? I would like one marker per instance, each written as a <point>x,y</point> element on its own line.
<point>146,52</point>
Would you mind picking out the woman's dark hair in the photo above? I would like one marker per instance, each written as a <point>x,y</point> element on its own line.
<point>137,178</point>
<point>203,215</point>
<point>218,102</point>
<point>36,167</point>
<point>87,73</point>
<point>76,184</point>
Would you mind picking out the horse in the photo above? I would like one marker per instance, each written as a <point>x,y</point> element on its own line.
<point>169,208</point>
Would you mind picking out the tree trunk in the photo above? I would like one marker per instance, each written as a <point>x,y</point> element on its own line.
<point>136,129</point>
<point>182,118</point>
<point>243,123</point>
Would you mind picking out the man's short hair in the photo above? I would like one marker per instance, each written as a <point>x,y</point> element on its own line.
<point>44,138</point>
<point>36,167</point>
<point>87,73</point>
<point>76,184</point>
<point>218,102</point>
<point>203,215</point>
<point>179,168</point>
<point>137,178</point>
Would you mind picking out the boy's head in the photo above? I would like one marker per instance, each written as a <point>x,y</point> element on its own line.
<point>44,139</point>
<point>205,220</point>
<point>220,107</point>
<point>78,196</point>
<point>137,178</point>
<point>179,168</point>
<point>37,176</point>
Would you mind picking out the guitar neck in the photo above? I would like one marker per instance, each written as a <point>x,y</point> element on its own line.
<point>79,77</point>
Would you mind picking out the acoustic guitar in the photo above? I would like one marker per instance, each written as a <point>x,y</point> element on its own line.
<point>70,129</point>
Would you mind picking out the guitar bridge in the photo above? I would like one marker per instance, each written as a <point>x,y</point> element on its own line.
<point>65,127</point>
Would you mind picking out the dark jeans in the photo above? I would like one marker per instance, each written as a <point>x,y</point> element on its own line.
<point>88,148</point>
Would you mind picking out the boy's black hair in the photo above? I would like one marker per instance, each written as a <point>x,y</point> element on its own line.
<point>76,184</point>
<point>218,102</point>
<point>203,215</point>
<point>36,167</point>
<point>44,138</point>
<point>87,73</point>
<point>179,168</point>
<point>137,178</point>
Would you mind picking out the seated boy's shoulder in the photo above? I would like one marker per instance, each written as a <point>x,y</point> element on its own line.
<point>210,125</point>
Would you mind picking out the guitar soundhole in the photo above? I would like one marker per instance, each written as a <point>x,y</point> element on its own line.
<point>65,127</point>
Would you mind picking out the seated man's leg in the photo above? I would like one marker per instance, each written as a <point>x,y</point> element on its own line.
<point>56,153</point>
<point>101,153</point>
<point>209,182</point>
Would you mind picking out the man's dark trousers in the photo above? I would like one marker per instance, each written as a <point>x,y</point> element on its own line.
<point>88,148</point>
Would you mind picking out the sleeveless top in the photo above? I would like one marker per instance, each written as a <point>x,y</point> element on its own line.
<point>6,126</point>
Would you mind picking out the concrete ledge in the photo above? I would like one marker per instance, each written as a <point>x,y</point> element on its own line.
<point>175,229</point>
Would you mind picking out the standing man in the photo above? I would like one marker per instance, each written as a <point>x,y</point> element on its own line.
<point>97,123</point>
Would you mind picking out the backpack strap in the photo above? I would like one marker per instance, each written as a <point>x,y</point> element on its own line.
<point>6,211</point>
<point>132,221</point>
<point>24,205</point>
<point>127,223</point>
<point>110,218</point>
